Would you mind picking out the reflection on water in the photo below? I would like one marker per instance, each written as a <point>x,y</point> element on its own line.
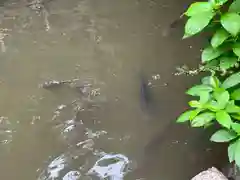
<point>54,168</point>
<point>70,98</point>
<point>110,167</point>
<point>72,175</point>
<point>6,131</point>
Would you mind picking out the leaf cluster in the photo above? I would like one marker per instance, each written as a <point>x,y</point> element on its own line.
<point>217,101</point>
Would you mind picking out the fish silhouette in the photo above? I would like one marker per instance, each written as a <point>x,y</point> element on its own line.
<point>145,94</point>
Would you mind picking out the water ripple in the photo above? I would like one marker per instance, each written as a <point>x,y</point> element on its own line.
<point>6,130</point>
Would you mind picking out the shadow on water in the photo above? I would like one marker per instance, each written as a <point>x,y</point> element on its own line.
<point>74,103</point>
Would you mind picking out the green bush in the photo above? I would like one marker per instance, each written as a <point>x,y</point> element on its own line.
<point>217,101</point>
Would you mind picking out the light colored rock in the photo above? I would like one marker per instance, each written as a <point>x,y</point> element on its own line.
<point>210,174</point>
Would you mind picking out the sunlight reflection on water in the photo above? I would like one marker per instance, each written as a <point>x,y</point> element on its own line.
<point>110,166</point>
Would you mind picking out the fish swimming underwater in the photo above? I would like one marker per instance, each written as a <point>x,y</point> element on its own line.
<point>148,104</point>
<point>151,111</point>
<point>145,94</point>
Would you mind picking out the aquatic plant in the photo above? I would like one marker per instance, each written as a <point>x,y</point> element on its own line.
<point>218,95</point>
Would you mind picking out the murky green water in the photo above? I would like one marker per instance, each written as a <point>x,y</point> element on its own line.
<point>101,46</point>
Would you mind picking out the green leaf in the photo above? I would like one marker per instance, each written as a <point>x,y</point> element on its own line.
<point>236,127</point>
<point>231,151</point>
<point>204,97</point>
<point>237,153</point>
<point>194,104</point>
<point>184,116</point>
<point>231,81</point>
<point>223,135</point>
<point>217,92</point>
<point>202,119</point>
<point>232,108</point>
<point>211,80</point>
<point>235,7</point>
<point>208,125</point>
<point>197,23</point>
<point>219,37</point>
<point>236,116</point>
<point>227,62</point>
<point>236,94</point>
<point>212,65</point>
<point>231,22</point>
<point>223,99</point>
<point>213,106</point>
<point>236,49</point>
<point>224,118</point>
<point>206,80</point>
<point>198,8</point>
<point>194,113</point>
<point>210,53</point>
<point>198,89</point>
<point>219,2</point>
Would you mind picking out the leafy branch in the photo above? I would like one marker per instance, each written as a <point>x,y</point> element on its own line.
<point>217,101</point>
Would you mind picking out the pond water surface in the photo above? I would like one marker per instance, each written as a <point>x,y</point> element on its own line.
<point>92,124</point>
